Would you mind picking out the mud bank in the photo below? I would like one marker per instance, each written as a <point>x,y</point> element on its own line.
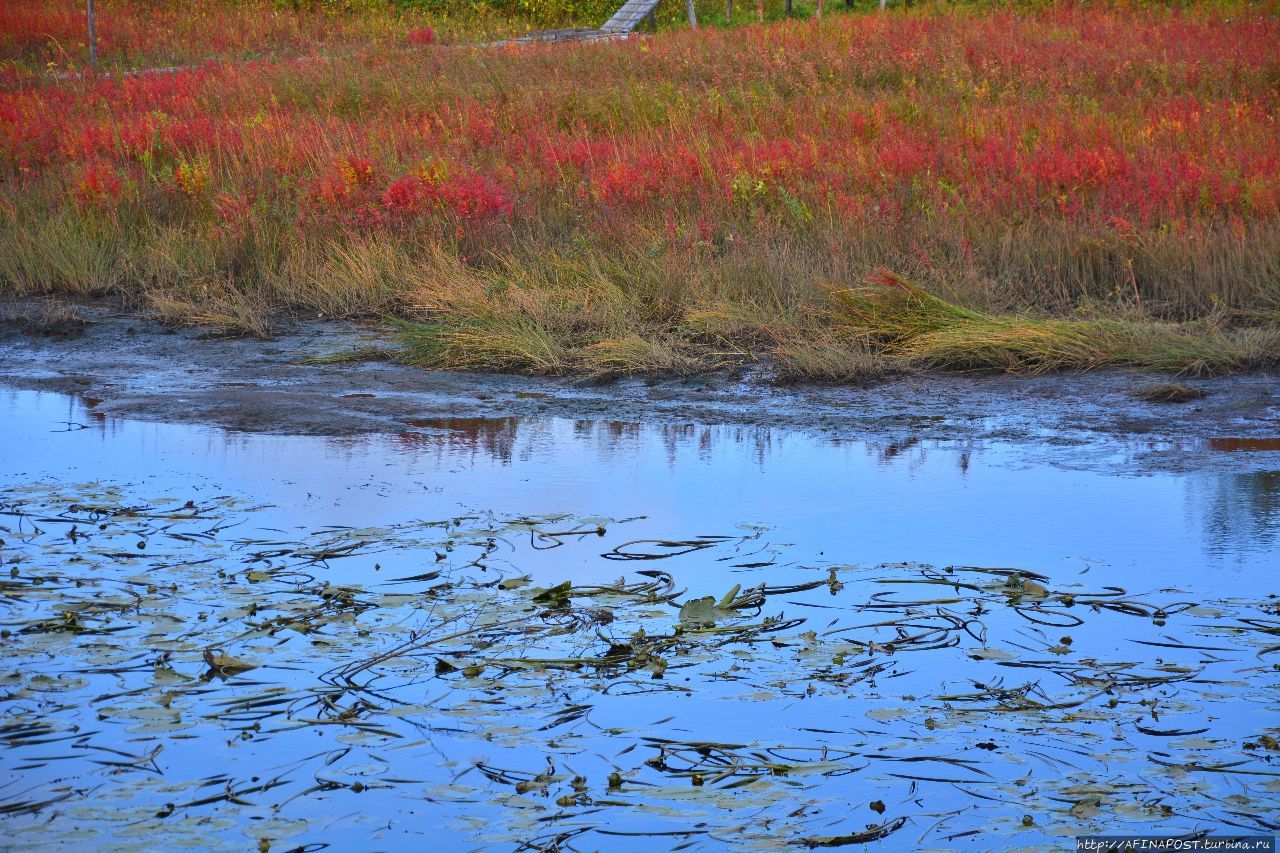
<point>131,368</point>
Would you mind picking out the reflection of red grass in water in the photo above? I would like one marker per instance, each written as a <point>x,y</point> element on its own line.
<point>494,436</point>
<point>1236,445</point>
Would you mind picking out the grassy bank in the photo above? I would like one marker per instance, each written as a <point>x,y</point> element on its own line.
<point>1064,188</point>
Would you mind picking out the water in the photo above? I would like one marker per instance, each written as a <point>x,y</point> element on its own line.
<point>936,502</point>
<point>1105,634</point>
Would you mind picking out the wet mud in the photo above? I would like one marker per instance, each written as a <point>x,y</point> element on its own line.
<point>145,371</point>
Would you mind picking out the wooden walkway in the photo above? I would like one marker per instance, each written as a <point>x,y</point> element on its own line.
<point>623,22</point>
<point>551,36</point>
<point>629,16</point>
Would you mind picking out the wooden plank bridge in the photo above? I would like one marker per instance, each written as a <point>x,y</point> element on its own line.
<point>623,22</point>
<point>629,16</point>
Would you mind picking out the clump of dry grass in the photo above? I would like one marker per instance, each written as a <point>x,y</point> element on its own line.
<point>497,342</point>
<point>352,279</point>
<point>626,311</point>
<point>921,328</point>
<point>634,353</point>
<point>537,312</point>
<point>1170,392</point>
<point>836,357</point>
<point>56,318</point>
<point>226,312</point>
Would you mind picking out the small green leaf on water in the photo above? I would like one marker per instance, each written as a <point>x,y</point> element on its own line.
<point>443,667</point>
<point>556,597</point>
<point>704,611</point>
<point>991,654</point>
<point>225,664</point>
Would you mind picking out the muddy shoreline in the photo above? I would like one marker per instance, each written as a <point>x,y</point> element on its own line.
<point>128,367</point>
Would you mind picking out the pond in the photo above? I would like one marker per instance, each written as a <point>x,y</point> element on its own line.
<point>547,633</point>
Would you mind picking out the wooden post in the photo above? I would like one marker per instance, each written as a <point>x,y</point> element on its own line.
<point>693,15</point>
<point>882,2</point>
<point>93,41</point>
<point>760,11</point>
<point>788,8</point>
<point>728,11</point>
<point>821,4</point>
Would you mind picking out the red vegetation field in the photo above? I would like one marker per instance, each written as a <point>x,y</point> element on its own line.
<point>667,190</point>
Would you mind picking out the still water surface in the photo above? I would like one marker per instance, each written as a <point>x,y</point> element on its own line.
<point>1107,633</point>
<point>853,501</point>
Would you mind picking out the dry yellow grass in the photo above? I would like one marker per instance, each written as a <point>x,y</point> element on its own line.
<point>224,312</point>
<point>920,328</point>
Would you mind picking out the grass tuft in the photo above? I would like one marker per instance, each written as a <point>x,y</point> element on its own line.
<point>921,328</point>
<point>1170,392</point>
<point>835,357</point>
<point>54,318</point>
<point>496,342</point>
<point>226,313</point>
<point>636,354</point>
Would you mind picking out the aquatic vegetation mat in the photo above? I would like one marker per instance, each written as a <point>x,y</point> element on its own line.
<point>177,674</point>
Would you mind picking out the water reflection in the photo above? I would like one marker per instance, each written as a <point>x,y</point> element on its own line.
<point>1237,507</point>
<point>501,439</point>
<point>1040,505</point>
<point>1244,445</point>
<point>492,437</point>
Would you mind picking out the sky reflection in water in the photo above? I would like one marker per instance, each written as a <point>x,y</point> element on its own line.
<point>849,501</point>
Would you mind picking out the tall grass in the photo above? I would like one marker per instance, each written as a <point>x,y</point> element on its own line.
<point>918,327</point>
<point>1110,172</point>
